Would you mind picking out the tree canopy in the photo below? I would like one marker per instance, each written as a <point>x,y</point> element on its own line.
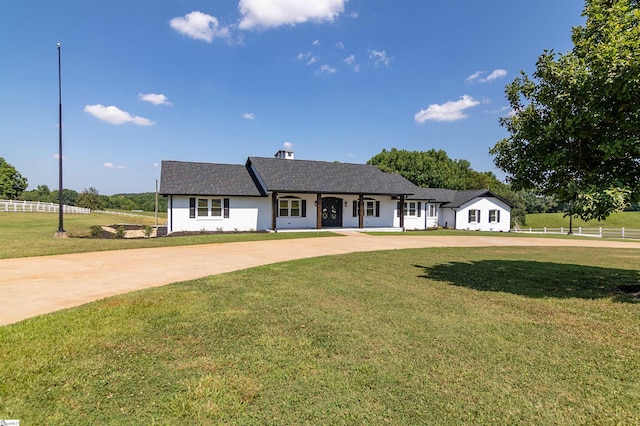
<point>575,125</point>
<point>434,169</point>
<point>91,199</point>
<point>12,184</point>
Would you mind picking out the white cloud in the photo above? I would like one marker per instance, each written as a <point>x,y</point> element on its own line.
<point>351,61</point>
<point>310,59</point>
<point>249,115</point>
<point>326,69</point>
<point>156,99</point>
<point>274,13</point>
<point>114,115</point>
<point>316,43</point>
<point>379,57</point>
<point>156,164</point>
<point>199,26</point>
<point>474,76</point>
<point>450,111</point>
<point>287,145</point>
<point>495,75</point>
<point>112,166</point>
<point>340,45</point>
<point>57,156</point>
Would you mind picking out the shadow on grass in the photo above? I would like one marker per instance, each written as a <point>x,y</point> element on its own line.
<point>539,279</point>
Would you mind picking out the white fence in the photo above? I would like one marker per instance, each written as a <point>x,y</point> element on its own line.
<point>121,213</point>
<point>599,232</point>
<point>37,206</point>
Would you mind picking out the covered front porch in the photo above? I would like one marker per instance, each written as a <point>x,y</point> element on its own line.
<point>318,211</point>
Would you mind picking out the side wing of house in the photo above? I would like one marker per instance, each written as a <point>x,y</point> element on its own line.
<point>212,197</point>
<point>483,214</point>
<point>217,213</point>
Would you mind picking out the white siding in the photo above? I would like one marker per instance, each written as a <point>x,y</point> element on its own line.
<point>286,222</point>
<point>484,205</point>
<point>243,215</point>
<point>447,218</point>
<point>424,221</point>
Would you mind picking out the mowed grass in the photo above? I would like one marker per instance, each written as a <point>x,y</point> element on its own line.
<point>630,220</point>
<point>516,335</point>
<point>31,234</point>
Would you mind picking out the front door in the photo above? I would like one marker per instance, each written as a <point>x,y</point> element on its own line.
<point>331,212</point>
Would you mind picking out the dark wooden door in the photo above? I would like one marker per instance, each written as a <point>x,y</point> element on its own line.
<point>331,212</point>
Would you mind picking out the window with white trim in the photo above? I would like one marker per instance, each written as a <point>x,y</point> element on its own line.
<point>371,208</point>
<point>209,207</point>
<point>410,208</point>
<point>433,212</point>
<point>494,216</point>
<point>291,207</point>
<point>474,216</point>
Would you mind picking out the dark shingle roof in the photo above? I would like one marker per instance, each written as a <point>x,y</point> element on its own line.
<point>451,198</point>
<point>284,175</point>
<point>436,195</point>
<point>462,197</point>
<point>187,178</point>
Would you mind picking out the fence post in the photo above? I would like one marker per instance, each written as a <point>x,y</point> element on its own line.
<point>600,229</point>
<point>544,230</point>
<point>562,229</point>
<point>580,230</point>
<point>623,233</point>
<point>529,229</point>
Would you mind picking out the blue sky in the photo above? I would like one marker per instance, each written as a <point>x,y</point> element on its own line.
<point>218,81</point>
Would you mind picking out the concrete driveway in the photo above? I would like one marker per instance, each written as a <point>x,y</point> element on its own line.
<point>38,285</point>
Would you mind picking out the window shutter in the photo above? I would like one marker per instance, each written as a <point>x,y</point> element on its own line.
<point>478,217</point>
<point>192,208</point>
<point>419,209</point>
<point>355,208</point>
<point>304,208</point>
<point>398,210</point>
<point>226,208</point>
<point>498,216</point>
<point>377,208</point>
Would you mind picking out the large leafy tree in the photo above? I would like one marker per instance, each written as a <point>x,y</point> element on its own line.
<point>434,169</point>
<point>91,199</point>
<point>12,184</point>
<point>575,126</point>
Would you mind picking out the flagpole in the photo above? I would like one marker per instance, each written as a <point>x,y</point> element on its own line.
<point>61,233</point>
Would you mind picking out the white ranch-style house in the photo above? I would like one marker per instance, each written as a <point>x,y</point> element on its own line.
<point>271,194</point>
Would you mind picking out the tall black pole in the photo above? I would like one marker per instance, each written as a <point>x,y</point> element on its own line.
<point>60,214</point>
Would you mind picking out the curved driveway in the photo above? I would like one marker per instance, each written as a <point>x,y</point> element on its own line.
<point>39,285</point>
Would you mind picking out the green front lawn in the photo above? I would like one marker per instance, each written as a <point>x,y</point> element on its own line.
<point>630,220</point>
<point>31,234</point>
<point>515,335</point>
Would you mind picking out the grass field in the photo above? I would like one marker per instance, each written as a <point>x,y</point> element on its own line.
<point>629,220</point>
<point>517,335</point>
<point>31,234</point>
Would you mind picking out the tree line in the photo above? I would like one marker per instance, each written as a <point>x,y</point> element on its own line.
<point>90,198</point>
